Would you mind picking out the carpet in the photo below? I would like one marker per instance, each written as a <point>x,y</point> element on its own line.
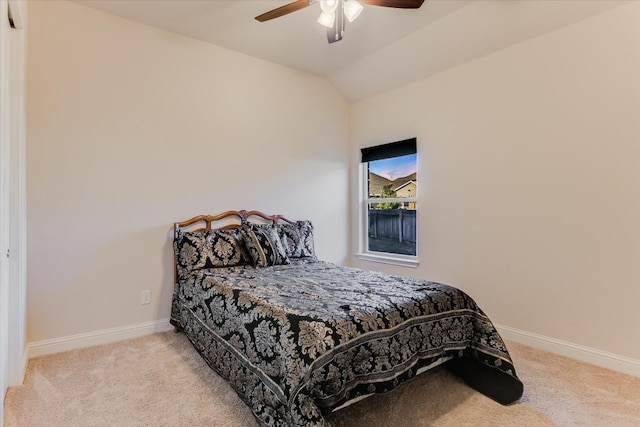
<point>160,380</point>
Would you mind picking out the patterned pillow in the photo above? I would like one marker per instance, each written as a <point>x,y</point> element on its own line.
<point>209,249</point>
<point>297,239</point>
<point>264,244</point>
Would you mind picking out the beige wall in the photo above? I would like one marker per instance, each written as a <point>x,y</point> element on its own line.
<point>131,128</point>
<point>529,180</point>
<point>529,169</point>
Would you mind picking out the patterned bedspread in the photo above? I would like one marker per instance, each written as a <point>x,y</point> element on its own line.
<point>297,340</point>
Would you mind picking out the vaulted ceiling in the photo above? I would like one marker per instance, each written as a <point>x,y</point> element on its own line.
<point>383,49</point>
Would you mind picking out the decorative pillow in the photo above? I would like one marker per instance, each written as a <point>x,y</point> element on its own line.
<point>209,249</point>
<point>297,239</point>
<point>264,244</point>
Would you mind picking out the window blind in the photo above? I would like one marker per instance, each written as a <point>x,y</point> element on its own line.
<point>392,149</point>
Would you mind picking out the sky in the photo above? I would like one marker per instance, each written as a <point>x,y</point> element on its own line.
<point>394,168</point>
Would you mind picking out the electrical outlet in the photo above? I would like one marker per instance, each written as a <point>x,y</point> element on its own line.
<point>145,297</point>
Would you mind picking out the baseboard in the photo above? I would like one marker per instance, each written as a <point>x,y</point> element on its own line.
<point>591,355</point>
<point>3,392</point>
<point>595,356</point>
<point>16,377</point>
<point>105,336</point>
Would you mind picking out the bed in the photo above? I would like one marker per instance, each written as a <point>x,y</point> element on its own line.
<point>297,337</point>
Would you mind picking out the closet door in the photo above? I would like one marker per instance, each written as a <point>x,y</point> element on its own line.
<point>4,195</point>
<point>17,195</point>
<point>12,196</point>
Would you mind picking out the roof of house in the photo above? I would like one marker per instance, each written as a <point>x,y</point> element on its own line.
<point>404,185</point>
<point>377,182</point>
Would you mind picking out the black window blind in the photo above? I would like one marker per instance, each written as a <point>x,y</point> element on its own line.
<point>387,151</point>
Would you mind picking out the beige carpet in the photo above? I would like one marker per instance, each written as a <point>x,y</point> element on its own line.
<point>160,380</point>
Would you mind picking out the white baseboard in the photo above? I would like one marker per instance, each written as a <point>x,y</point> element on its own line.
<point>16,377</point>
<point>3,392</point>
<point>595,356</point>
<point>105,336</point>
<point>591,355</point>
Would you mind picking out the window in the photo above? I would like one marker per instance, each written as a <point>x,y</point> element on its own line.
<point>389,220</point>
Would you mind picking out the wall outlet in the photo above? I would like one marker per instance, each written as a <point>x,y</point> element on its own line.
<point>145,297</point>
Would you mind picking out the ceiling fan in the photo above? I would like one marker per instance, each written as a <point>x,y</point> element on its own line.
<point>334,12</point>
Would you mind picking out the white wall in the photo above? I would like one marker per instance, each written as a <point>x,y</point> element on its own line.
<point>131,128</point>
<point>529,172</point>
<point>529,180</point>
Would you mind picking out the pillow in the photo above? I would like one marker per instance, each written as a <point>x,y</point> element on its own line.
<point>264,244</point>
<point>297,239</point>
<point>209,249</point>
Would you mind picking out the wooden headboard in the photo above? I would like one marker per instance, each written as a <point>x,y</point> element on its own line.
<point>227,220</point>
<point>237,218</point>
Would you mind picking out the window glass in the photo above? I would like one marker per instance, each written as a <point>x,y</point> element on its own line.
<point>391,203</point>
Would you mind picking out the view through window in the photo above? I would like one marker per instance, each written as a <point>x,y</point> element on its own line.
<point>391,201</point>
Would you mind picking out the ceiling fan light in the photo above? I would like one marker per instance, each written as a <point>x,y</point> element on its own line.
<point>328,6</point>
<point>352,9</point>
<point>327,19</point>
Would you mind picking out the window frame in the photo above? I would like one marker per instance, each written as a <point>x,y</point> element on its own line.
<point>364,252</point>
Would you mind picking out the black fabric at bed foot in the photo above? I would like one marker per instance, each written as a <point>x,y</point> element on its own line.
<point>492,382</point>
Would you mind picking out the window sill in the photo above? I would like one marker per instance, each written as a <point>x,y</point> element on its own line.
<point>389,259</point>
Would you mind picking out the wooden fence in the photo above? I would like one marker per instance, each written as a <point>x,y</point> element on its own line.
<point>397,224</point>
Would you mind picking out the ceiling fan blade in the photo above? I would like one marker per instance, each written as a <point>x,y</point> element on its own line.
<point>283,10</point>
<point>400,4</point>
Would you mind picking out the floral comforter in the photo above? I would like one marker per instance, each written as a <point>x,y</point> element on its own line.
<point>297,340</point>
